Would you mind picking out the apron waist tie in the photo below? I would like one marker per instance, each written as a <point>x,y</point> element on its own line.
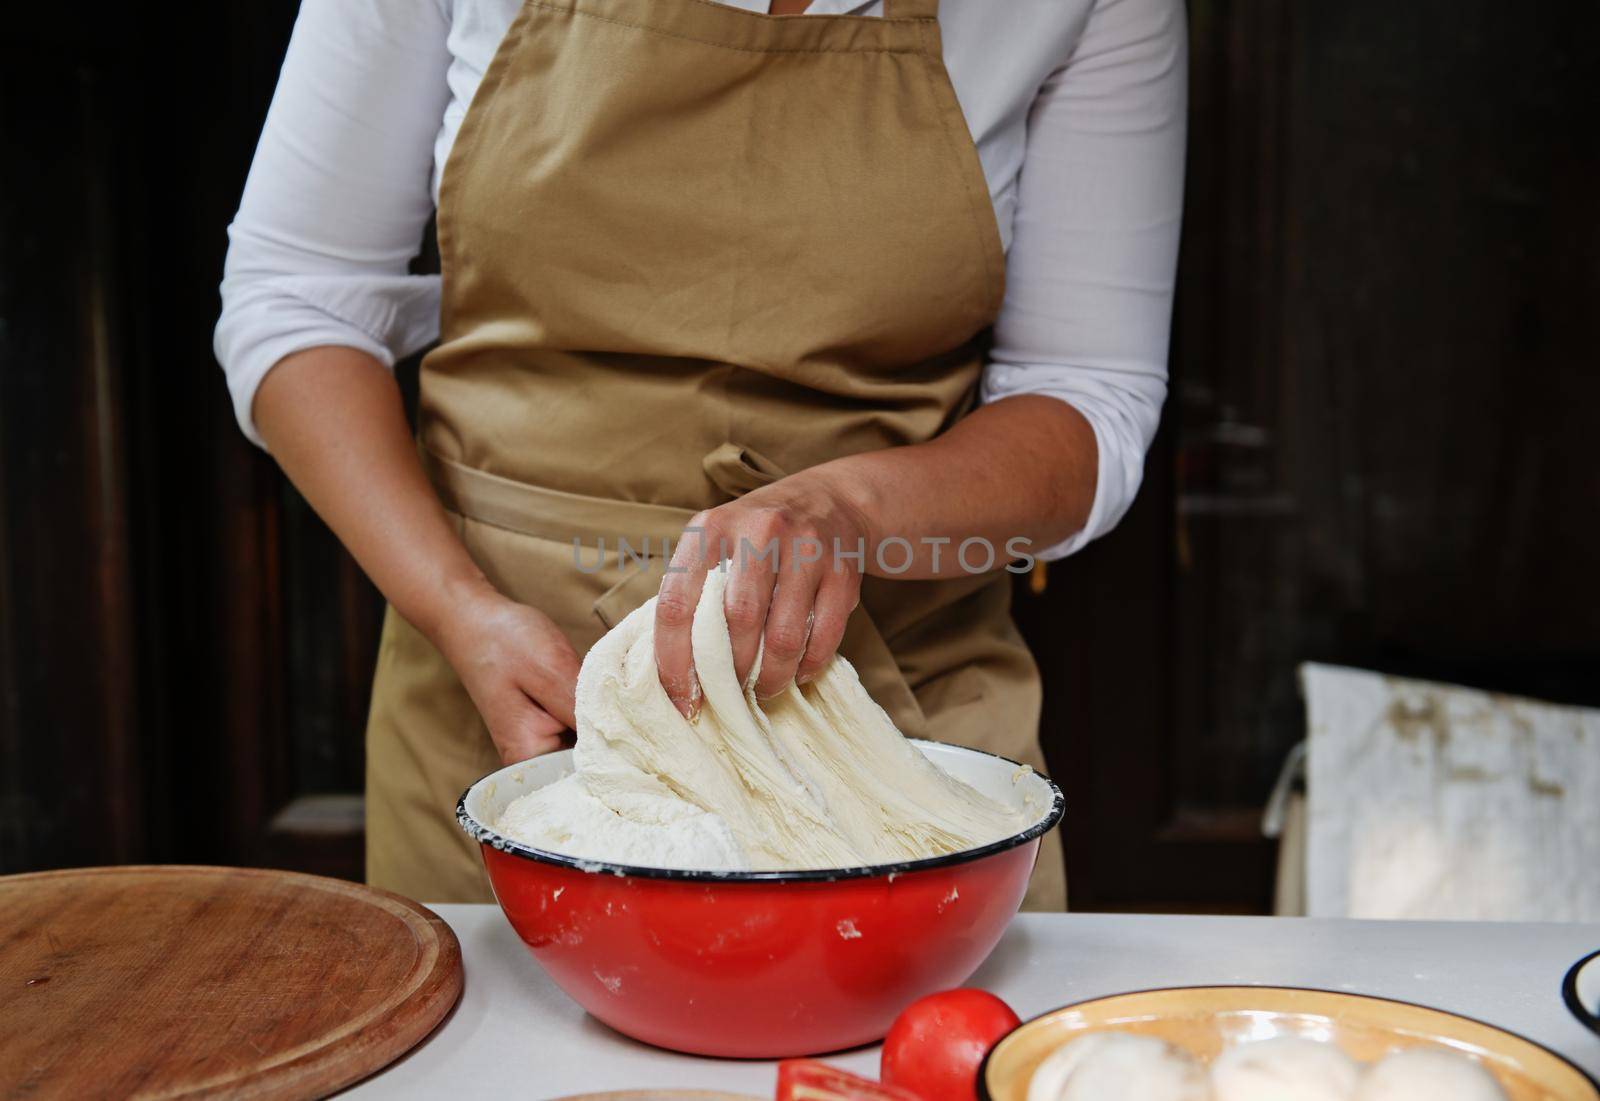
<point>563,517</point>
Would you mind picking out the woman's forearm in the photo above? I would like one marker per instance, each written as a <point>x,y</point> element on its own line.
<point>1017,475</point>
<point>334,420</point>
<point>1023,467</point>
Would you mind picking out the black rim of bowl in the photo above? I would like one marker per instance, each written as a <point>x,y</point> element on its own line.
<point>486,836</point>
<point>1588,1016</point>
<point>983,1067</point>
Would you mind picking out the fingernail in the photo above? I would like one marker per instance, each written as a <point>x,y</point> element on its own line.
<point>695,697</point>
<point>805,678</point>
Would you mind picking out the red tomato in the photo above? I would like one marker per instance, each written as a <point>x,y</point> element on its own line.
<point>933,1048</point>
<point>809,1080</point>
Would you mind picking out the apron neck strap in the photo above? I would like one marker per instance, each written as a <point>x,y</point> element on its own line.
<point>911,9</point>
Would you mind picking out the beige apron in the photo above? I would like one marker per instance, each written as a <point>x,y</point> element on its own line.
<point>688,249</point>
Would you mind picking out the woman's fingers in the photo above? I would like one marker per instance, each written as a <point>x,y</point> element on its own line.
<point>553,683</point>
<point>675,603</point>
<point>525,730</point>
<point>837,596</point>
<point>788,629</point>
<point>758,558</point>
<point>520,670</point>
<point>538,701</point>
<point>546,670</point>
<point>788,592</point>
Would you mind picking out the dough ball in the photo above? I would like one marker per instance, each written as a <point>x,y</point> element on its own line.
<point>1117,1066</point>
<point>1284,1068</point>
<point>1428,1072</point>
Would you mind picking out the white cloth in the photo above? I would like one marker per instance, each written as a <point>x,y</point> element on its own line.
<point>1077,108</point>
<point>1430,801</point>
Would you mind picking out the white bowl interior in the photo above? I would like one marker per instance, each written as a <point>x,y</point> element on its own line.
<point>996,777</point>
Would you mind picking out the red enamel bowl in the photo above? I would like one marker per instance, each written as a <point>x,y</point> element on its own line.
<point>760,965</point>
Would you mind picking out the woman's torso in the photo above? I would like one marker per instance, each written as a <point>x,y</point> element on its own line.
<point>650,263</point>
<point>998,52</point>
<point>687,249</point>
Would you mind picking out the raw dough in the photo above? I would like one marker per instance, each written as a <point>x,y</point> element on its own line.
<point>1118,1066</point>
<point>1121,1066</point>
<point>564,817</point>
<point>1428,1072</point>
<point>1284,1068</point>
<point>816,777</point>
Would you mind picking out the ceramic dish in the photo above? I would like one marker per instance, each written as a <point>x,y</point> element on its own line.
<point>1581,990</point>
<point>1205,1019</point>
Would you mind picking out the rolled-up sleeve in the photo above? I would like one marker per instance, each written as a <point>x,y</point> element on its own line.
<point>1090,272</point>
<point>338,194</point>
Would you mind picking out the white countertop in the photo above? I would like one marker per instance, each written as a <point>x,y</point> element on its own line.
<point>514,1034</point>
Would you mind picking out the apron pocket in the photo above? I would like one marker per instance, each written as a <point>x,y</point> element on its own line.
<point>636,586</point>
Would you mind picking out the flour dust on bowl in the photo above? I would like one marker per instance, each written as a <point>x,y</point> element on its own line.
<point>761,965</point>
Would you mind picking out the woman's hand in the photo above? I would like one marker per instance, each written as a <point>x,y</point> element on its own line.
<point>334,420</point>
<point>1012,475</point>
<point>519,669</point>
<point>789,595</point>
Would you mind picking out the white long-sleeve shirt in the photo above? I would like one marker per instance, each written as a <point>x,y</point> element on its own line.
<point>1077,108</point>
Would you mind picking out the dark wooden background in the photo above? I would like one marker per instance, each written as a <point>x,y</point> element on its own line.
<point>1379,448</point>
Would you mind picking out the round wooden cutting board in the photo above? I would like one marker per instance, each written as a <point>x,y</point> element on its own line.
<point>177,981</point>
